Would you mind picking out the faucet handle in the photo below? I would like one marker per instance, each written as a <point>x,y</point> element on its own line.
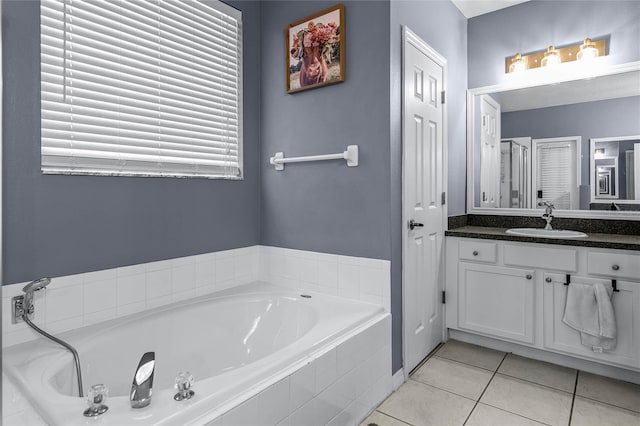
<point>96,399</point>
<point>184,381</point>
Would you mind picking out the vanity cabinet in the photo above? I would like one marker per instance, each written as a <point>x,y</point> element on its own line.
<point>496,301</point>
<point>516,292</point>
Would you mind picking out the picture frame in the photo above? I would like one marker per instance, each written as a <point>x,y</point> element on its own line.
<point>315,50</point>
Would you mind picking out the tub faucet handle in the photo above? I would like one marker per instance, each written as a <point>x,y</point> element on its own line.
<point>184,381</point>
<point>96,399</point>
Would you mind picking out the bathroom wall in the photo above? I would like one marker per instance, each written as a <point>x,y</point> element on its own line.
<point>326,206</point>
<point>441,25</point>
<point>61,225</point>
<point>603,119</point>
<point>534,25</point>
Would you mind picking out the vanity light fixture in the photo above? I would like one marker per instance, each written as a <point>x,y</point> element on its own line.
<point>552,56</point>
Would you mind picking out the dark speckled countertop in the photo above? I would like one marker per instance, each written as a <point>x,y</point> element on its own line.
<point>610,241</point>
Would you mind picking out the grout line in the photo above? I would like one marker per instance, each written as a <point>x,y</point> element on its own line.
<point>395,418</point>
<point>573,399</point>
<point>537,384</point>
<point>485,388</point>
<point>442,389</point>
<point>609,404</point>
<point>515,414</point>
<point>472,365</point>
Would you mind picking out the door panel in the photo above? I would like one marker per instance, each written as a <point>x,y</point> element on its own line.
<point>423,175</point>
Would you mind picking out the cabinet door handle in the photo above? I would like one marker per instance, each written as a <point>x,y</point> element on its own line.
<point>615,267</point>
<point>529,276</point>
<point>548,279</point>
<point>475,252</point>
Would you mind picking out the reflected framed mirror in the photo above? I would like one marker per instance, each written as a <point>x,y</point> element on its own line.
<point>567,139</point>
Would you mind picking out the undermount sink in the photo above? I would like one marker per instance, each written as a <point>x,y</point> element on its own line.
<point>546,233</point>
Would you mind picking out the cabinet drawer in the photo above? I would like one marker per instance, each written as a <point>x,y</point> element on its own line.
<point>615,265</point>
<point>541,256</point>
<point>476,250</point>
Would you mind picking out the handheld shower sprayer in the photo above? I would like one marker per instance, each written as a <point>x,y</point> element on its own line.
<point>23,308</point>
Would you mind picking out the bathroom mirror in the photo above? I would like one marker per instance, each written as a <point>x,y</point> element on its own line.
<point>562,139</point>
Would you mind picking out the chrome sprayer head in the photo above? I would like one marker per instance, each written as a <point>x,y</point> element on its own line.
<point>36,285</point>
<point>23,305</point>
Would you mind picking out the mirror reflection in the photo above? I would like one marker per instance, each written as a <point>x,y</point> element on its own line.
<point>615,178</point>
<point>566,143</point>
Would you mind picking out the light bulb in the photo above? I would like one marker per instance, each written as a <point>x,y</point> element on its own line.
<point>551,57</point>
<point>587,50</point>
<point>518,63</point>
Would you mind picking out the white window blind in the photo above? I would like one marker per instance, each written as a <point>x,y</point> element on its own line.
<point>141,87</point>
<point>554,177</point>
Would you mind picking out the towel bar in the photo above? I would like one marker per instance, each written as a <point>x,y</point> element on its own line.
<point>350,155</point>
<point>614,283</point>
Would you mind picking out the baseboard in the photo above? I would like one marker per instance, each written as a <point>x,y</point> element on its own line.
<point>397,379</point>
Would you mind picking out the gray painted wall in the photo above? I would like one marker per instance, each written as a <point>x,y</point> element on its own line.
<point>603,119</point>
<point>60,225</point>
<point>532,26</point>
<point>326,206</point>
<point>441,25</point>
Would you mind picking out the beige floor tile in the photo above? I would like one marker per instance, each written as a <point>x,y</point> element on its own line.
<point>452,376</point>
<point>530,400</point>
<point>419,404</point>
<point>592,413</point>
<point>379,419</point>
<point>539,372</point>
<point>485,415</point>
<point>477,356</point>
<point>610,391</point>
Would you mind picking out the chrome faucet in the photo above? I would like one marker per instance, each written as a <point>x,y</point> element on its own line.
<point>142,387</point>
<point>548,212</point>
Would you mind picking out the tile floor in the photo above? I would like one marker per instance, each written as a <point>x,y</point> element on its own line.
<point>469,385</point>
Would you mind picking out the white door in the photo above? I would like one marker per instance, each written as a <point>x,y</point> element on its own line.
<point>489,152</point>
<point>423,186</point>
<point>556,175</point>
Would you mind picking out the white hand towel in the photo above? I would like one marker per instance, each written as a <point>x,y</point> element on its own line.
<point>590,311</point>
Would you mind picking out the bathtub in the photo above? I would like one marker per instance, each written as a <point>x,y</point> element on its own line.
<point>236,343</point>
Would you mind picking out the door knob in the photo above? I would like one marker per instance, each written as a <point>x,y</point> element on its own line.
<point>414,224</point>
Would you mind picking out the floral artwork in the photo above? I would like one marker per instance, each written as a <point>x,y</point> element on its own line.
<point>315,50</point>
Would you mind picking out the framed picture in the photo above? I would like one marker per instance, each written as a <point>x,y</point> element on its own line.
<point>315,50</point>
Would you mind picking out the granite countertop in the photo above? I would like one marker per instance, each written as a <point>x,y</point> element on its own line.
<point>610,241</point>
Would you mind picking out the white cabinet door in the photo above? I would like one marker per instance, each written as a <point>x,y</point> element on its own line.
<point>560,337</point>
<point>496,301</point>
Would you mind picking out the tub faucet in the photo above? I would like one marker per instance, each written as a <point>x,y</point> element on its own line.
<point>142,386</point>
<point>548,212</point>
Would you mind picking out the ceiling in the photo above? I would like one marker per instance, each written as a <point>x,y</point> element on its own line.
<point>471,8</point>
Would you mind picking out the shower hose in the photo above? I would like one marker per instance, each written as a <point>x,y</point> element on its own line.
<point>60,342</point>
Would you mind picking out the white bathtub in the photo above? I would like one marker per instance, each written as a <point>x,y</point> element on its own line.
<point>236,343</point>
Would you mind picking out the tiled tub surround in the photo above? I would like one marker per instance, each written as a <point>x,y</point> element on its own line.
<point>103,295</point>
<point>75,301</point>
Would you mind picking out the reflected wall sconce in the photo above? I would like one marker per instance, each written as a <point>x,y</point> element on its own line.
<point>583,51</point>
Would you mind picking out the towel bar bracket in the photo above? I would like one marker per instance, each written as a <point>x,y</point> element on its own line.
<point>614,283</point>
